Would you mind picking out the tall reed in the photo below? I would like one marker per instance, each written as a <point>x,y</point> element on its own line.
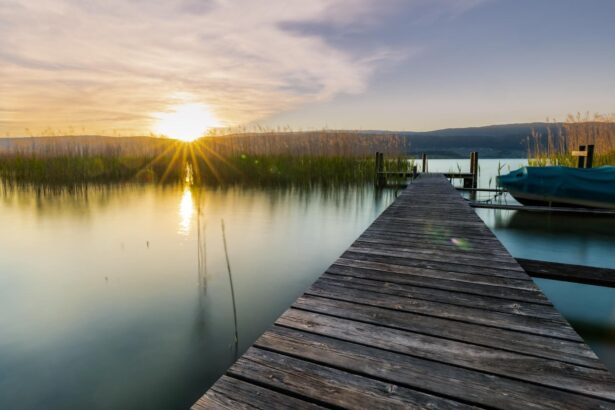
<point>257,159</point>
<point>556,146</point>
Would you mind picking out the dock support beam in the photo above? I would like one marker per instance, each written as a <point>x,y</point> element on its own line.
<point>474,169</point>
<point>472,181</point>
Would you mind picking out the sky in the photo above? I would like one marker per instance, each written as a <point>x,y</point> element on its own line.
<point>119,67</point>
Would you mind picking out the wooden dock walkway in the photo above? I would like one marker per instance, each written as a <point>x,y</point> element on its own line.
<point>425,309</point>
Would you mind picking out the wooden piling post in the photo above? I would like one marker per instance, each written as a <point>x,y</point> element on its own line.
<point>589,159</point>
<point>581,154</point>
<point>475,170</point>
<point>472,182</point>
<point>467,182</point>
<point>424,169</point>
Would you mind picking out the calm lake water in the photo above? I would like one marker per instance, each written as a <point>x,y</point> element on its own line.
<point>119,297</point>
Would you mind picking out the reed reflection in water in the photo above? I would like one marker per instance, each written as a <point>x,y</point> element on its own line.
<point>119,296</point>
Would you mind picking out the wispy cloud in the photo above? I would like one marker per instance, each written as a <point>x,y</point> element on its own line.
<point>110,64</point>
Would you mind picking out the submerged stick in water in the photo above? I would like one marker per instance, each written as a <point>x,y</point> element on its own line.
<point>230,277</point>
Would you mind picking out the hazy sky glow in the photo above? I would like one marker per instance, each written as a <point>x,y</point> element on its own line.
<point>117,66</point>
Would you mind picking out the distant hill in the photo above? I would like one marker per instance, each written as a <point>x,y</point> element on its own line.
<point>494,141</point>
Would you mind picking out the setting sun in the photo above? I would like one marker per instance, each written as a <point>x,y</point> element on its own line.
<point>185,122</point>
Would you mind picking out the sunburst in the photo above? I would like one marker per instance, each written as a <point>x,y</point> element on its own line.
<point>185,122</point>
<point>192,158</point>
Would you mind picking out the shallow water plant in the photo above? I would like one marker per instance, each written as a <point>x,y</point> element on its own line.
<point>265,159</point>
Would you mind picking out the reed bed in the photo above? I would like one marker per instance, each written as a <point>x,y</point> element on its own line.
<point>556,146</point>
<point>255,159</point>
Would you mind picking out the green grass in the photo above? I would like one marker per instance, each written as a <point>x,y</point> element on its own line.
<point>567,160</point>
<point>70,168</point>
<point>243,169</point>
<point>321,160</point>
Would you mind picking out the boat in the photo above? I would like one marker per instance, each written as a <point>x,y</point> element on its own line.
<point>562,186</point>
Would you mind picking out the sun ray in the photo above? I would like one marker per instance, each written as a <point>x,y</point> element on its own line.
<point>221,158</point>
<point>195,165</point>
<point>176,156</point>
<point>162,154</point>
<point>207,161</point>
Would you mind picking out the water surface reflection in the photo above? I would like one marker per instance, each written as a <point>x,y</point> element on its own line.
<point>119,297</point>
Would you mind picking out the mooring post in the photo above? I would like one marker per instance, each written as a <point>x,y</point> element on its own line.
<point>475,170</point>
<point>589,159</point>
<point>582,153</point>
<point>424,169</point>
<point>467,182</point>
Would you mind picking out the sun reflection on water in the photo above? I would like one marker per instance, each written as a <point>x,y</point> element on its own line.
<point>186,211</point>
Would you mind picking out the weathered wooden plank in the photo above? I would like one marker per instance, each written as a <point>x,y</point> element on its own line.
<point>431,241</point>
<point>414,218</point>
<point>456,258</point>
<point>468,286</point>
<point>572,273</point>
<point>429,264</point>
<point>232,394</point>
<point>516,283</point>
<point>427,242</point>
<point>426,375</point>
<point>465,314</point>
<point>443,296</point>
<point>462,250</point>
<point>331,386</point>
<point>423,219</point>
<point>393,226</point>
<point>534,345</point>
<point>584,380</point>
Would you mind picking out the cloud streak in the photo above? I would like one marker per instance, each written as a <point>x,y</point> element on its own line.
<point>105,65</point>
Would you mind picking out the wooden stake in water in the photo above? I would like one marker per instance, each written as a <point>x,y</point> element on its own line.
<point>230,278</point>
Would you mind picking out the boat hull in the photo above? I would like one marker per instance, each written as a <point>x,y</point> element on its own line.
<point>542,200</point>
<point>562,186</point>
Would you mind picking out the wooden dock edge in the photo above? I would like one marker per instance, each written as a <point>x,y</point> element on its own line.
<point>425,309</point>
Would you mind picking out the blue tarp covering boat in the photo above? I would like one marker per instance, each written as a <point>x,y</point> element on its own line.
<point>557,186</point>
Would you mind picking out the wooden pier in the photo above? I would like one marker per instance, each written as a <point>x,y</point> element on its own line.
<point>425,309</point>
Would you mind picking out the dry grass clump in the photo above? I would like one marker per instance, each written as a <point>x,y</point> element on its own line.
<point>555,148</point>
